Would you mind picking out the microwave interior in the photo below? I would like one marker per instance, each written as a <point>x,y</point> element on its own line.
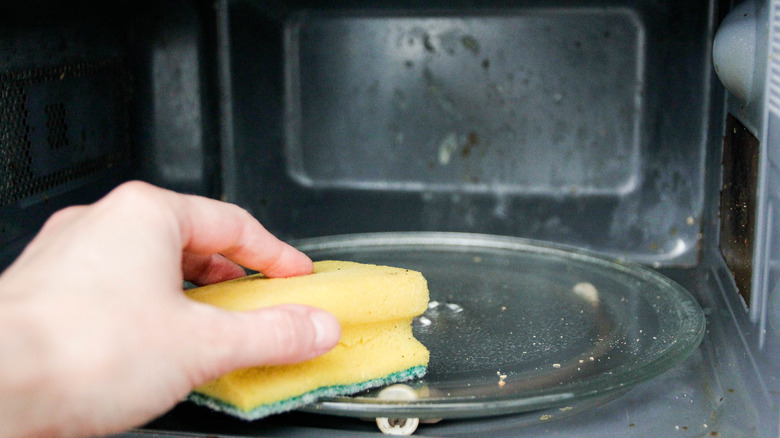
<point>596,125</point>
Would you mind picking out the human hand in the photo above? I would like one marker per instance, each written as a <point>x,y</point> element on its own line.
<point>96,335</point>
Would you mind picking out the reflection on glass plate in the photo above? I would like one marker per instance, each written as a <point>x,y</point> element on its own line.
<point>516,325</point>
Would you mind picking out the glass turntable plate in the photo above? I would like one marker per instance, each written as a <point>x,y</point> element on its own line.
<point>516,325</point>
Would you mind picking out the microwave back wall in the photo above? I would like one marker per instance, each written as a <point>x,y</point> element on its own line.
<point>601,125</point>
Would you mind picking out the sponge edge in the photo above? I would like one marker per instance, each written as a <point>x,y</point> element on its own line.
<point>307,398</point>
<point>355,293</point>
<point>375,306</point>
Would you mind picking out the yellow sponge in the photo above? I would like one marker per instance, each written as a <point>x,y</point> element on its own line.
<point>375,306</point>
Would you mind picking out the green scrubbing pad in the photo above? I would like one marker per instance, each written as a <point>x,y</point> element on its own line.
<point>307,398</point>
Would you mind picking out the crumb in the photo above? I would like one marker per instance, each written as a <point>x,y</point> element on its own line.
<point>545,417</point>
<point>556,365</point>
<point>501,378</point>
<point>586,291</point>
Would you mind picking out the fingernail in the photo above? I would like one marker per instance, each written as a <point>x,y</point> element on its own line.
<point>328,330</point>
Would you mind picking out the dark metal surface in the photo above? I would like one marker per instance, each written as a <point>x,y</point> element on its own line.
<point>738,202</point>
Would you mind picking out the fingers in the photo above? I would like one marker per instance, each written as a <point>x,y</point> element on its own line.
<point>207,226</point>
<point>207,269</point>
<point>277,335</point>
<point>210,227</point>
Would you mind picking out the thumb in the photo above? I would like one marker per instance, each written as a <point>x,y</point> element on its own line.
<point>277,335</point>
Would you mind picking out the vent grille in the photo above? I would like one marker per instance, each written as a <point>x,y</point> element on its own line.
<point>57,125</point>
<point>61,124</point>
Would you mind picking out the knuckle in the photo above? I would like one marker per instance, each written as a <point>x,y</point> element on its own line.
<point>132,193</point>
<point>142,201</point>
<point>61,216</point>
<point>134,186</point>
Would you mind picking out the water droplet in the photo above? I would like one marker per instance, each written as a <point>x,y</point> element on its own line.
<point>454,308</point>
<point>424,321</point>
